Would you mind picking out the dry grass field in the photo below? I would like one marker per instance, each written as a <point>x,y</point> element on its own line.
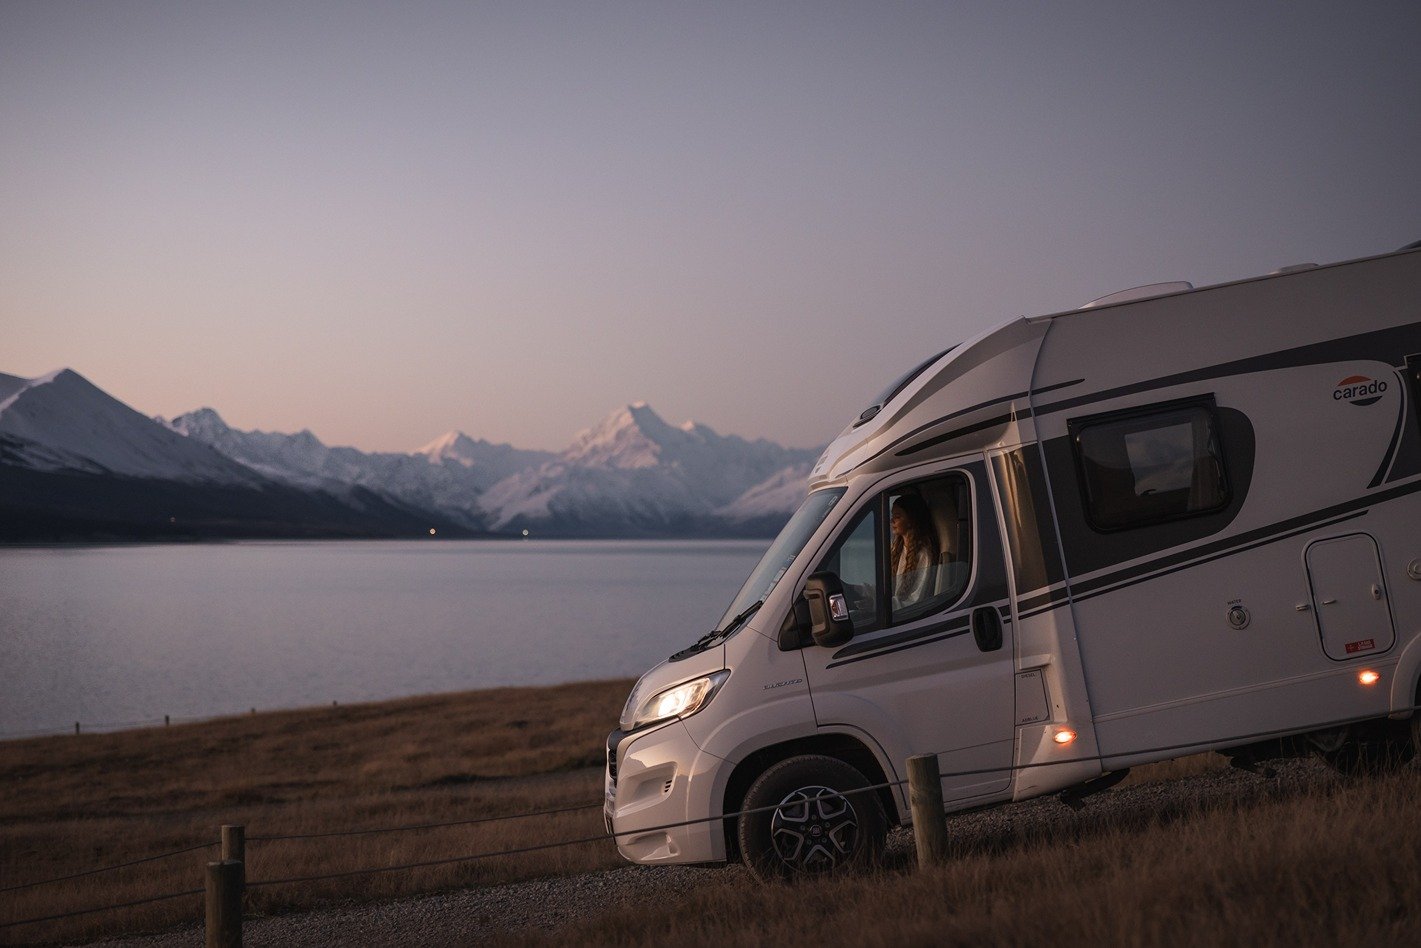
<point>1314,859</point>
<point>1311,859</point>
<point>70,803</point>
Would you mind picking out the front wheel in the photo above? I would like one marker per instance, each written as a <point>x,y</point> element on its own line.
<point>819,824</point>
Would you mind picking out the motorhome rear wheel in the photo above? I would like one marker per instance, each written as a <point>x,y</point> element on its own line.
<point>1377,748</point>
<point>819,825</point>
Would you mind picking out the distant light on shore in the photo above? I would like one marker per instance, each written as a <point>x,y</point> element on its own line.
<point>431,531</point>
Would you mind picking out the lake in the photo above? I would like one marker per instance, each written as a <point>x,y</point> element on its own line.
<point>122,635</point>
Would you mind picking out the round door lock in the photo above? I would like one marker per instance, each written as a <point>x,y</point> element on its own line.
<point>1414,570</point>
<point>1239,617</point>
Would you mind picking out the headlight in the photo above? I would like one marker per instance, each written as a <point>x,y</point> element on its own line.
<point>686,698</point>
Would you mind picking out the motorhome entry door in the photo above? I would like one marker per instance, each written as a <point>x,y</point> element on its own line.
<point>1349,596</point>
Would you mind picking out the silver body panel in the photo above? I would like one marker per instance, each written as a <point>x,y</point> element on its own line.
<point>1145,643</point>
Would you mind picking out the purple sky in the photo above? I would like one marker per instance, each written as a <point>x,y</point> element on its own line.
<point>385,220</point>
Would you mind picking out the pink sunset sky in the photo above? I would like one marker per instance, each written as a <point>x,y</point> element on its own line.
<point>383,221</point>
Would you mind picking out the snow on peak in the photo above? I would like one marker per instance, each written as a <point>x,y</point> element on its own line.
<point>633,436</point>
<point>71,424</point>
<point>203,423</point>
<point>452,445</point>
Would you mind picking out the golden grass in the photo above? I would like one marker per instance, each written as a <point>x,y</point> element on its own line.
<point>1323,861</point>
<point>73,803</point>
<point>1308,861</point>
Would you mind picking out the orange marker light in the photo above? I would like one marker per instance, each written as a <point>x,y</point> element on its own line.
<point>1064,736</point>
<point>1369,677</point>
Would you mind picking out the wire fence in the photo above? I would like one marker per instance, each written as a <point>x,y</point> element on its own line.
<point>113,868</point>
<point>613,836</point>
<point>106,727</point>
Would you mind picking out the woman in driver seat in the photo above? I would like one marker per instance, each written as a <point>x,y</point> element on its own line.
<point>914,551</point>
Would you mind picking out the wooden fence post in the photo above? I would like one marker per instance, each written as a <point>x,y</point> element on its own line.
<point>224,904</point>
<point>929,815</point>
<point>234,848</point>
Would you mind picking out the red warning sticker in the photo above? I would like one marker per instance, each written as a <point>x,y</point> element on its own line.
<point>1366,645</point>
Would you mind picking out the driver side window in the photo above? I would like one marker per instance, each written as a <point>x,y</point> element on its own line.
<point>854,560</point>
<point>908,554</point>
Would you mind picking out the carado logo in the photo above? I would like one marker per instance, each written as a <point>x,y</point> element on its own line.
<point>1359,390</point>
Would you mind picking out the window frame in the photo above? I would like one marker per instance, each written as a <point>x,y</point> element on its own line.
<point>1077,426</point>
<point>878,504</point>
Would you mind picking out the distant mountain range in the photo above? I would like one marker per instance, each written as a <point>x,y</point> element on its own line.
<point>76,463</point>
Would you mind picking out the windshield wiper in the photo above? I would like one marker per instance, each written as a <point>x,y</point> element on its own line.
<point>705,641</point>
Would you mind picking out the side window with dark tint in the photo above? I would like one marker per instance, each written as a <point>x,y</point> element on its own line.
<point>1150,465</point>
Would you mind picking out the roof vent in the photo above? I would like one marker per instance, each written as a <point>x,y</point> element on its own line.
<point>1140,293</point>
<point>1293,269</point>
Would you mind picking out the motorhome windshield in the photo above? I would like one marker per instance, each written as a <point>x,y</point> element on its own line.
<point>782,552</point>
<point>900,383</point>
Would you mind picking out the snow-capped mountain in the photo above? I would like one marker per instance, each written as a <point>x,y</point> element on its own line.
<point>777,496</point>
<point>61,421</point>
<point>635,474</point>
<point>487,462</point>
<point>76,462</point>
<point>448,475</point>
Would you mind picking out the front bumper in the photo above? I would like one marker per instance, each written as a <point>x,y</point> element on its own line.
<point>657,777</point>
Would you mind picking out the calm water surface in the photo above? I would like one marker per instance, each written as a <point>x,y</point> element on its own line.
<point>108,635</point>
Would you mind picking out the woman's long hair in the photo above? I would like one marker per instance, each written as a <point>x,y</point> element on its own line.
<point>917,537</point>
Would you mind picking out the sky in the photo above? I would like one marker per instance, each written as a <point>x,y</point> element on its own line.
<point>381,221</point>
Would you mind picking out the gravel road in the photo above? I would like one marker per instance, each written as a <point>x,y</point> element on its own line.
<point>545,905</point>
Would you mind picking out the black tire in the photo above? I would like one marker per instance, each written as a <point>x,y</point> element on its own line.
<point>819,826</point>
<point>1379,748</point>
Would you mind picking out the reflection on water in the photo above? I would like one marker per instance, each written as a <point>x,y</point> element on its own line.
<point>131,633</point>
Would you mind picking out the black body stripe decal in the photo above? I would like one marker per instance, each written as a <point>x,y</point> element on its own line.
<point>1116,582</point>
<point>941,632</point>
<point>858,648</point>
<point>1164,566</point>
<point>1379,346</point>
<point>1326,517</point>
<point>962,432</point>
<point>1395,436</point>
<point>1025,413</point>
<point>1369,345</point>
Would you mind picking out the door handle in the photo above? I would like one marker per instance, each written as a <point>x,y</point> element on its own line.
<point>1328,602</point>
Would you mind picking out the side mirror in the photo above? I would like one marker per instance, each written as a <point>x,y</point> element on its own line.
<point>829,622</point>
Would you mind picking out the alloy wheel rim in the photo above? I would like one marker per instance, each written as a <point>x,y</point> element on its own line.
<point>814,829</point>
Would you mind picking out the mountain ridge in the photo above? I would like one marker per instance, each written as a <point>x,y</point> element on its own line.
<point>630,474</point>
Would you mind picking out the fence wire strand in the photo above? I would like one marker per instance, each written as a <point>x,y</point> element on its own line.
<point>122,865</point>
<point>421,826</point>
<point>103,908</point>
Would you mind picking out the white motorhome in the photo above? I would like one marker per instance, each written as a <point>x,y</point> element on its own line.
<point>1174,520</point>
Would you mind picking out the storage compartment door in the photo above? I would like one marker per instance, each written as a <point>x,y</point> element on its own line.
<point>1349,596</point>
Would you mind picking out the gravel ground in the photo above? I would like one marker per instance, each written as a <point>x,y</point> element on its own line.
<point>544,905</point>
